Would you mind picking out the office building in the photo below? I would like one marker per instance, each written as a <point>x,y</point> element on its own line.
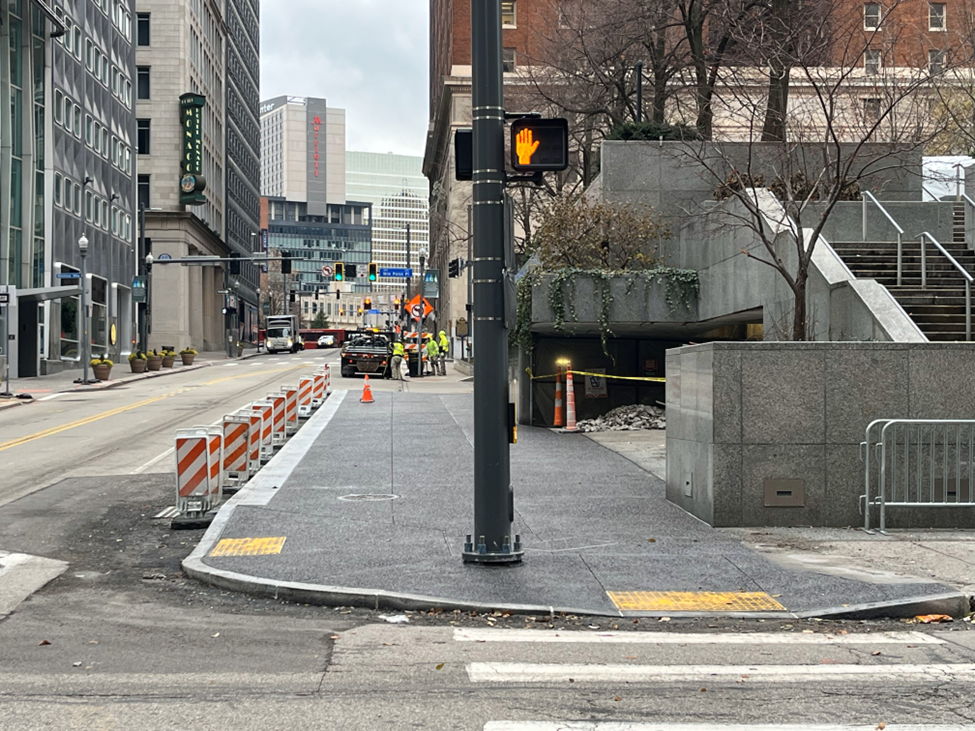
<point>395,186</point>
<point>196,107</point>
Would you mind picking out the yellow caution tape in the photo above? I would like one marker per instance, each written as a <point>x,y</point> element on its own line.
<point>654,379</point>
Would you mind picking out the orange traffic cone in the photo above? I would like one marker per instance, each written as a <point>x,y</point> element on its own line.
<point>559,419</point>
<point>570,400</point>
<point>366,393</point>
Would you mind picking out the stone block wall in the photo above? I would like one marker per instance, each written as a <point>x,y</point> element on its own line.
<point>744,417</point>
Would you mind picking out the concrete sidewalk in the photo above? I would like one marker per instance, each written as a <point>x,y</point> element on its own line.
<point>370,503</point>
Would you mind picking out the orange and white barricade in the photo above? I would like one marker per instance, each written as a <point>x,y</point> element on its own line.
<point>266,411</point>
<point>236,443</point>
<point>318,390</point>
<point>290,409</point>
<point>192,471</point>
<point>306,384</point>
<point>327,370</point>
<point>278,432</point>
<point>215,448</point>
<point>254,438</point>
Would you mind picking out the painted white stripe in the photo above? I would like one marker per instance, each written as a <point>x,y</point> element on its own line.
<point>142,468</point>
<point>167,513</point>
<point>627,726</point>
<point>52,396</point>
<point>685,638</point>
<point>513,672</point>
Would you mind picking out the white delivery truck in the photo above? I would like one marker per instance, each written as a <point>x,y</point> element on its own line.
<point>281,334</point>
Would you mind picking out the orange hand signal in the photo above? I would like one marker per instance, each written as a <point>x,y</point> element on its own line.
<point>525,146</point>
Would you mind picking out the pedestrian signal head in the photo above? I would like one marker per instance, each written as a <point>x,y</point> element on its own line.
<point>539,144</point>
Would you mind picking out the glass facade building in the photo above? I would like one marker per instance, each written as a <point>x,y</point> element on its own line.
<point>343,234</point>
<point>397,190</point>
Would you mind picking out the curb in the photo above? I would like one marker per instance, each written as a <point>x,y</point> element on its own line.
<point>135,377</point>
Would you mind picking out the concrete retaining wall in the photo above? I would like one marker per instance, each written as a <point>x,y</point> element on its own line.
<point>742,414</point>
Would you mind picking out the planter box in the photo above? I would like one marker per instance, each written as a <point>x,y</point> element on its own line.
<point>634,304</point>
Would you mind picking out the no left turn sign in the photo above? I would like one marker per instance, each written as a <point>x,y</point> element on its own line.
<point>326,271</point>
<point>417,310</point>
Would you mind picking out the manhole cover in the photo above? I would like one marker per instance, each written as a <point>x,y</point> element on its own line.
<point>368,497</point>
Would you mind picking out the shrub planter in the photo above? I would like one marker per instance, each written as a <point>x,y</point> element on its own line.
<point>101,372</point>
<point>168,361</point>
<point>154,363</point>
<point>187,358</point>
<point>138,365</point>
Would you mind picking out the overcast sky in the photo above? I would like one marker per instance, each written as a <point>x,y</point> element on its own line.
<point>368,57</point>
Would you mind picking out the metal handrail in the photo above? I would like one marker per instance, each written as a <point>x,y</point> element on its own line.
<point>864,196</point>
<point>968,277</point>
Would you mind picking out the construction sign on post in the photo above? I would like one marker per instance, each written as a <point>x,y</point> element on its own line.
<point>419,307</point>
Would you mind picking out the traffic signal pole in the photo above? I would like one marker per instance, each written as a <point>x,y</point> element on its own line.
<point>492,541</point>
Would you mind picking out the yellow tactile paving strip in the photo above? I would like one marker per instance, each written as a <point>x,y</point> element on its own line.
<point>248,546</point>
<point>694,601</point>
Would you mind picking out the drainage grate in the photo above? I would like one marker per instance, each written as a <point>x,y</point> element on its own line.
<point>368,497</point>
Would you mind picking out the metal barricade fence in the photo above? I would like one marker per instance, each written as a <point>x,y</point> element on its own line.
<point>917,463</point>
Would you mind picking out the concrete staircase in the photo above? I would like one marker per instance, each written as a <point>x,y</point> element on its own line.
<point>939,308</point>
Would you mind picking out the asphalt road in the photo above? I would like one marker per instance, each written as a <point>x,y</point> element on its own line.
<point>122,640</point>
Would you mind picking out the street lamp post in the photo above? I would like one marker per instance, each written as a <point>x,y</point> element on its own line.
<point>419,324</point>
<point>85,340</point>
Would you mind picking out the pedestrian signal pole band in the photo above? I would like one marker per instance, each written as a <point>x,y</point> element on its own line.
<point>492,541</point>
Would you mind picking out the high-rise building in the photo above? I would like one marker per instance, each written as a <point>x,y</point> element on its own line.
<point>93,82</point>
<point>395,186</point>
<point>66,177</point>
<point>303,151</point>
<point>196,104</point>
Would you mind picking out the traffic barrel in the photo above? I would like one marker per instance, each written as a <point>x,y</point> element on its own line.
<point>366,392</point>
<point>570,398</point>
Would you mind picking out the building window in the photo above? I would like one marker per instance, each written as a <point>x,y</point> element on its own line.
<point>508,14</point>
<point>936,61</point>
<point>142,139</point>
<point>77,121</point>
<point>58,106</point>
<point>872,16</point>
<point>143,182</point>
<point>508,60</point>
<point>872,61</point>
<point>57,188</point>
<point>142,82</point>
<point>142,29</point>
<point>871,110</point>
<point>937,18</point>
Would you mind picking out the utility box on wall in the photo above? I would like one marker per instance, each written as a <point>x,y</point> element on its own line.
<point>768,433</point>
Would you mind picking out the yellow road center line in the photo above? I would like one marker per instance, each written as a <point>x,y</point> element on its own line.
<point>105,414</point>
<point>81,422</point>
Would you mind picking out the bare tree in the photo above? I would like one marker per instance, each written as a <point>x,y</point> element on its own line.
<point>833,140</point>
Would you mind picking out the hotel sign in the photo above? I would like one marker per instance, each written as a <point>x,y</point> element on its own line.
<point>316,127</point>
<point>192,182</point>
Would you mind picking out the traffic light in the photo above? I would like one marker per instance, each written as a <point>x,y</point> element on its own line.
<point>351,271</point>
<point>539,144</point>
<point>373,272</point>
<point>367,303</point>
<point>453,268</point>
<point>339,271</point>
<point>286,262</point>
<point>234,263</point>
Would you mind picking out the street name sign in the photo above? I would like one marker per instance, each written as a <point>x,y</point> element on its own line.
<point>395,272</point>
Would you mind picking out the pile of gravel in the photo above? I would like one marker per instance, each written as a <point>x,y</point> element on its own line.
<point>626,418</point>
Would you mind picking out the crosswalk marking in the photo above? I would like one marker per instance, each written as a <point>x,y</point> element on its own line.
<point>686,638</point>
<point>514,672</point>
<point>639,726</point>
